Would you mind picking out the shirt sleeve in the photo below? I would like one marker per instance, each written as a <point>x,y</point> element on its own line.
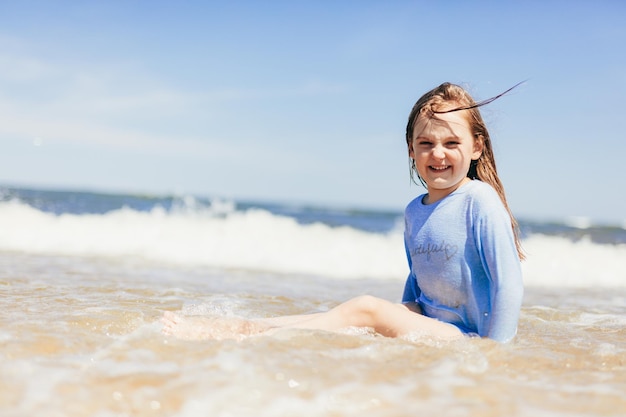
<point>411,289</point>
<point>503,268</point>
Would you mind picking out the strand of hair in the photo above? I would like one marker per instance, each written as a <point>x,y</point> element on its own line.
<point>480,103</point>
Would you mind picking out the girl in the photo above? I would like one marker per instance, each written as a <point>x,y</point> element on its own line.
<point>461,242</point>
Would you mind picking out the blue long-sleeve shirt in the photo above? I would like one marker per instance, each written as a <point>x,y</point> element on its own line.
<point>464,266</point>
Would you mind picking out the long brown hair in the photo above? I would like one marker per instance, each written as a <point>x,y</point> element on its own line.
<point>484,168</point>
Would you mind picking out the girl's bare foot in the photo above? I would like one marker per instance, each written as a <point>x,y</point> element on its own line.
<point>202,328</point>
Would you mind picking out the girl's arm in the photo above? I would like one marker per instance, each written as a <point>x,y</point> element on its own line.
<point>502,264</point>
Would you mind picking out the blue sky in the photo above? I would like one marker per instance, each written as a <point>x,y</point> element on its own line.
<point>306,101</point>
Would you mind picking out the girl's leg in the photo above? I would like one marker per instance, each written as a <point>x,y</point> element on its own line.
<point>288,321</point>
<point>383,316</point>
<point>198,328</point>
<point>217,328</point>
<point>387,318</point>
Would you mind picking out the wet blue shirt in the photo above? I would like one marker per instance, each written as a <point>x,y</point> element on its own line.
<point>464,266</point>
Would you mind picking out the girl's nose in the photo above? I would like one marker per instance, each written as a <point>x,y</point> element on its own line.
<point>438,152</point>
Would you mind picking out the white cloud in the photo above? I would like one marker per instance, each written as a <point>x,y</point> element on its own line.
<point>15,66</point>
<point>21,69</point>
<point>120,107</point>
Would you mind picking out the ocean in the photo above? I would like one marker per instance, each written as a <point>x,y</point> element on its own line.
<point>85,278</point>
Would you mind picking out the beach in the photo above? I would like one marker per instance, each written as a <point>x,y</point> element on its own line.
<point>85,279</point>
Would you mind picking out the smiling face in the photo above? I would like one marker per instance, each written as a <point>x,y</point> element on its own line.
<point>443,147</point>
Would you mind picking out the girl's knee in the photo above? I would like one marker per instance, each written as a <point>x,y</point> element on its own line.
<point>364,304</point>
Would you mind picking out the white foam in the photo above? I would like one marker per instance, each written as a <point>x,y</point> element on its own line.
<point>250,240</point>
<point>579,222</point>
<point>557,261</point>
<point>258,240</point>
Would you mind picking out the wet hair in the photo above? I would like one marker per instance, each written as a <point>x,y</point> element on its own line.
<point>437,101</point>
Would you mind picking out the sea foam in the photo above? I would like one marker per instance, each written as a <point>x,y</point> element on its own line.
<point>250,240</point>
<point>258,240</point>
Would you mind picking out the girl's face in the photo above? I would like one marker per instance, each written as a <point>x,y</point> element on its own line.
<point>442,148</point>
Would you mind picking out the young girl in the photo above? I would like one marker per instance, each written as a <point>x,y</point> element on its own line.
<point>461,242</point>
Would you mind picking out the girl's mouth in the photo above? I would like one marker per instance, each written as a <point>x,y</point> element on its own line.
<point>439,168</point>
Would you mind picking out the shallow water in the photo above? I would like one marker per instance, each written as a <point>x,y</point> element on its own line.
<point>81,336</point>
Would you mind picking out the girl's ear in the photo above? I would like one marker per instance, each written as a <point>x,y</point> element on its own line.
<point>479,143</point>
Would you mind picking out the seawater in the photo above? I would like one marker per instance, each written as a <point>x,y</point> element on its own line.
<point>85,278</point>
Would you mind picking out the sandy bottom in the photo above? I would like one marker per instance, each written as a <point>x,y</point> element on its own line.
<point>82,337</point>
